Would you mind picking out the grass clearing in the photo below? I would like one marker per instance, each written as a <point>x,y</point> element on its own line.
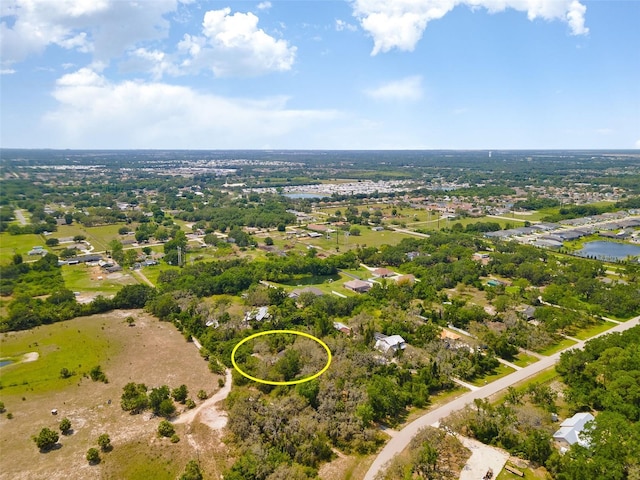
<point>12,244</point>
<point>99,236</point>
<point>83,278</point>
<point>501,371</point>
<point>58,346</point>
<point>556,347</point>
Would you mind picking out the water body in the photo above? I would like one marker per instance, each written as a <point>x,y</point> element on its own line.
<point>304,195</point>
<point>5,362</point>
<point>609,250</point>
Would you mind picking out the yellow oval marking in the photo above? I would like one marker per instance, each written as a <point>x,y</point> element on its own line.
<point>291,382</point>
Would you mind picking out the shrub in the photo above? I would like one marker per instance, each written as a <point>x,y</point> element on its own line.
<point>165,429</point>
<point>93,456</point>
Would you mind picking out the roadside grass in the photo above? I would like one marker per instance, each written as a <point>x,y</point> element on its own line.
<point>154,271</point>
<point>79,278</point>
<point>556,347</point>
<point>522,359</point>
<point>543,378</point>
<point>435,401</point>
<point>585,333</point>
<point>12,244</point>
<point>60,345</point>
<point>501,371</point>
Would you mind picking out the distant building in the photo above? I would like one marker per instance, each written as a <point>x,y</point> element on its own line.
<point>390,344</point>
<point>260,314</point>
<point>341,327</point>
<point>571,429</point>
<point>359,286</point>
<point>37,251</point>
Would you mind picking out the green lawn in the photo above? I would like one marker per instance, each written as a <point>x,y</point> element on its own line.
<point>501,371</point>
<point>522,360</point>
<point>12,244</point>
<point>76,345</point>
<point>327,284</point>
<point>556,347</point>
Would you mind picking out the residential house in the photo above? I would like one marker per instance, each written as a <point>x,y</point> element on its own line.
<point>570,430</point>
<point>383,272</point>
<point>359,286</point>
<point>299,291</point>
<point>389,344</point>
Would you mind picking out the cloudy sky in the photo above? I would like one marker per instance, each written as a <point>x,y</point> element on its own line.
<point>321,74</point>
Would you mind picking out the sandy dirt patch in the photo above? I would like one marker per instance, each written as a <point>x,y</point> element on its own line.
<point>210,412</point>
<point>30,357</point>
<point>483,458</point>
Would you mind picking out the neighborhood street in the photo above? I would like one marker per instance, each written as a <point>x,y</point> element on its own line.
<point>404,436</point>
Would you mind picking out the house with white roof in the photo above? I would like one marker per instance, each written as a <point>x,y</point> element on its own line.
<point>389,344</point>
<point>570,430</point>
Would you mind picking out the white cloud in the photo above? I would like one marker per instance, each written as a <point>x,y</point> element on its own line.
<point>264,5</point>
<point>233,45</point>
<point>7,71</point>
<point>342,25</point>
<point>104,27</point>
<point>95,113</point>
<point>409,88</point>
<point>637,145</point>
<point>401,23</point>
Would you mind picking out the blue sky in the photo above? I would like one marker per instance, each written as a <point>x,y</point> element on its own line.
<point>359,74</point>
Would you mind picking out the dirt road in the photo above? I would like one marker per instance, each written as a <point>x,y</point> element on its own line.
<point>404,436</point>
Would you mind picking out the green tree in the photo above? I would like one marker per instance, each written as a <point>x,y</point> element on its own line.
<point>104,442</point>
<point>46,439</point>
<point>191,471</point>
<point>97,375</point>
<point>134,399</point>
<point>166,429</point>
<point>65,426</point>
<point>93,456</point>
<point>180,393</point>
<point>52,242</point>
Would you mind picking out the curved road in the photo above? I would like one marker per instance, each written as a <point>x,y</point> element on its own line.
<point>404,436</point>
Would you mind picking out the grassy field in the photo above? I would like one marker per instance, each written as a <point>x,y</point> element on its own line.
<point>12,244</point>
<point>151,352</point>
<point>99,237</point>
<point>57,346</point>
<point>501,371</point>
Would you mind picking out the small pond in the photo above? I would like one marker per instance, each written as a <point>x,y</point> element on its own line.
<point>609,250</point>
<point>5,362</point>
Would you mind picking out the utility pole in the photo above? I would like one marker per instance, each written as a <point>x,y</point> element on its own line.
<point>179,256</point>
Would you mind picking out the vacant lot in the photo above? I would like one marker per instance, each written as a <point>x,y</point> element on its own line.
<point>151,352</point>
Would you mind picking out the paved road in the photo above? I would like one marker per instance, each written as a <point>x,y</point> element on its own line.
<point>404,436</point>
